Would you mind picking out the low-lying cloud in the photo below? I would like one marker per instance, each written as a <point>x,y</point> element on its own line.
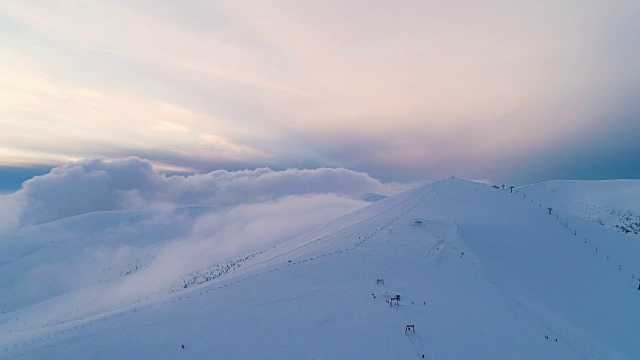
<point>240,230</point>
<point>101,185</point>
<point>137,232</point>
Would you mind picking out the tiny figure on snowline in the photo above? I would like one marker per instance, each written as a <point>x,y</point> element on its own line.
<point>461,254</point>
<point>182,346</point>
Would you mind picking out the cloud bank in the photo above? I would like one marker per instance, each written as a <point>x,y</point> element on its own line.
<point>241,230</point>
<point>132,183</point>
<point>114,232</point>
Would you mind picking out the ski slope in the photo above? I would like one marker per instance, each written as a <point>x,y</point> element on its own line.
<point>482,274</point>
<point>611,203</point>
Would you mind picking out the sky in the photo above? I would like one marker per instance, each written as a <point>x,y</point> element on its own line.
<point>406,91</point>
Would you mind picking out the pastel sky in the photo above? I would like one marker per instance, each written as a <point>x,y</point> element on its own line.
<point>506,91</point>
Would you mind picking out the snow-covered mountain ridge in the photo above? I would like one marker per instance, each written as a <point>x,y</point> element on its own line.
<point>611,203</point>
<point>482,274</point>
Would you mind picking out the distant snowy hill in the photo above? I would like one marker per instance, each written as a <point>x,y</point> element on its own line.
<point>611,203</point>
<point>480,273</point>
<point>371,197</point>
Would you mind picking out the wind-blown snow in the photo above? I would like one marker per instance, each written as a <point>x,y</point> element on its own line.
<point>482,274</point>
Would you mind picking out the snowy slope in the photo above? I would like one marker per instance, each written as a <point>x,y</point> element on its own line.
<point>42,262</point>
<point>482,274</point>
<point>611,203</point>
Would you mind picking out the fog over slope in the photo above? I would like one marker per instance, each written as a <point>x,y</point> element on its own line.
<point>78,231</point>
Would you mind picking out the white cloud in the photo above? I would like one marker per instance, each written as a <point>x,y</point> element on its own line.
<point>10,211</point>
<point>171,127</point>
<point>100,185</point>
<point>239,230</point>
<point>239,212</point>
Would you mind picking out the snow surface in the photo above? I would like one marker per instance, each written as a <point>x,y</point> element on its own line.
<point>611,203</point>
<point>482,274</point>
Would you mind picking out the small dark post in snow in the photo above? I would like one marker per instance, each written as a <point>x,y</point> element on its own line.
<point>410,329</point>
